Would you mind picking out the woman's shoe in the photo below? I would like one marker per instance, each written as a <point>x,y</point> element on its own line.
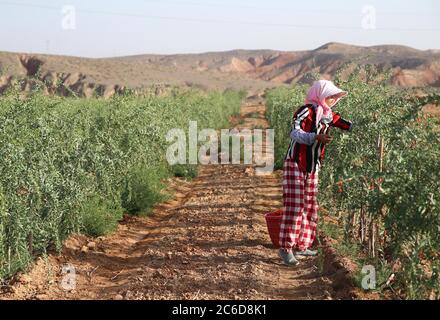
<point>307,252</point>
<point>288,257</point>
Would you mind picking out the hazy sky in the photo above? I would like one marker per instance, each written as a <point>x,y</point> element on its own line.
<point>98,28</point>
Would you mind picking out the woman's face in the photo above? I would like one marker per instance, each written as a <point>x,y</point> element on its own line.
<point>330,101</point>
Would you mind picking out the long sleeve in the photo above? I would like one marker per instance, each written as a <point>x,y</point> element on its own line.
<point>303,137</point>
<point>340,123</point>
<point>297,133</point>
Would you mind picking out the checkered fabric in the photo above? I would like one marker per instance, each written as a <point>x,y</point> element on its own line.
<point>300,207</point>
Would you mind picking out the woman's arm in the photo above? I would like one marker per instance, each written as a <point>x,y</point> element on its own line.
<point>340,123</point>
<point>297,133</point>
<point>300,136</point>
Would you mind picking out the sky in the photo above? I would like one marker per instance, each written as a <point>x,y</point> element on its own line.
<point>98,28</point>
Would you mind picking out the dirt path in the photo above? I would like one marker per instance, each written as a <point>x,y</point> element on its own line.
<point>210,242</point>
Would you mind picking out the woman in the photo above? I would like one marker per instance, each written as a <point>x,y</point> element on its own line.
<point>309,136</point>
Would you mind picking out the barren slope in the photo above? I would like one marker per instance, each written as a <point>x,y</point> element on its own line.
<point>253,70</point>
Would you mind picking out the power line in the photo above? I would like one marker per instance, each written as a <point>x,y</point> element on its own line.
<point>210,4</point>
<point>44,6</point>
<point>214,21</point>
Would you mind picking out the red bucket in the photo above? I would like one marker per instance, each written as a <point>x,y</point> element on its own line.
<point>273,221</point>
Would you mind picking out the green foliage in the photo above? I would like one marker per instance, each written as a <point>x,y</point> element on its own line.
<point>99,216</point>
<point>142,189</point>
<point>180,170</point>
<point>3,217</point>
<point>75,165</point>
<point>401,199</point>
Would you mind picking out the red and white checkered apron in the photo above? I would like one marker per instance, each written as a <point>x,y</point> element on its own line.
<point>300,207</point>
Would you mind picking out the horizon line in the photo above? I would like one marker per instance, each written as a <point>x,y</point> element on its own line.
<point>211,52</point>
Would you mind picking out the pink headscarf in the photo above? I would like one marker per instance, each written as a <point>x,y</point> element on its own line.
<point>318,92</point>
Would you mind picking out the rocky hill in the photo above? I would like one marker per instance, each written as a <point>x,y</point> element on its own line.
<point>253,70</point>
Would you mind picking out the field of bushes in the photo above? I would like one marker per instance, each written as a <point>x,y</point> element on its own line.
<point>381,181</point>
<point>71,165</point>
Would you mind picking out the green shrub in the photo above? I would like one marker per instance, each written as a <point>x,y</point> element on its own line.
<point>99,216</point>
<point>142,190</point>
<point>184,171</point>
<point>71,165</point>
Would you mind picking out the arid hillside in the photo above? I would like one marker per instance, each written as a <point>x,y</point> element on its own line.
<point>253,70</point>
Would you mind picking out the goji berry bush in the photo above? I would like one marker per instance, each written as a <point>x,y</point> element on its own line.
<point>71,165</point>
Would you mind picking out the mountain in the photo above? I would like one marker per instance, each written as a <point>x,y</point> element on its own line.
<point>253,70</point>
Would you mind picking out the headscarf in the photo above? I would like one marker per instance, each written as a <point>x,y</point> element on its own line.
<point>318,92</point>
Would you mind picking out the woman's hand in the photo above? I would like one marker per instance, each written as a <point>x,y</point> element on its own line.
<point>323,138</point>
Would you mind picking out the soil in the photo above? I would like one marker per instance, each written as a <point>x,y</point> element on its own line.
<point>209,242</point>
